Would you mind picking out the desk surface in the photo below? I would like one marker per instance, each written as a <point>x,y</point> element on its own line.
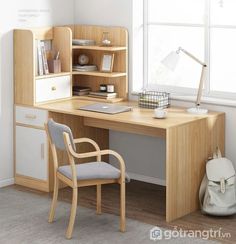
<point>140,116</point>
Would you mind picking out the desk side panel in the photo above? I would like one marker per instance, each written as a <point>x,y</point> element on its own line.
<point>187,150</point>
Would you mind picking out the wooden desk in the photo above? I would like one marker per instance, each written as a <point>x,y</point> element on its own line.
<point>190,140</point>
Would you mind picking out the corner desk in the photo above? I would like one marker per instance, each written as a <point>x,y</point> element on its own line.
<point>190,140</point>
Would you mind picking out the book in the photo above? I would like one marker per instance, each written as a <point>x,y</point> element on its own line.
<point>44,58</point>
<point>40,58</point>
<point>80,93</point>
<point>85,68</point>
<point>104,94</point>
<point>81,88</point>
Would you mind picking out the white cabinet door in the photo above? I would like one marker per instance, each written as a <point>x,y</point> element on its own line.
<point>31,153</point>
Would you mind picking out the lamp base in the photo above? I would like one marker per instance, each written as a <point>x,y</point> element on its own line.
<point>197,110</point>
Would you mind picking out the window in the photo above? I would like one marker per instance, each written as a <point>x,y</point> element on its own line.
<point>205,28</point>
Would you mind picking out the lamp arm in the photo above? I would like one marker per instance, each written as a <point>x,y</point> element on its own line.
<point>199,94</point>
<point>191,56</point>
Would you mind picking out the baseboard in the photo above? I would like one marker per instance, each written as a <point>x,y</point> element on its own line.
<point>147,179</point>
<point>7,182</point>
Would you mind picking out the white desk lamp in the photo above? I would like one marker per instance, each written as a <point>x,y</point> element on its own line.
<point>171,61</point>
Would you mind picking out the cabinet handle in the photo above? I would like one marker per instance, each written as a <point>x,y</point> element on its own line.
<point>42,151</point>
<point>53,88</point>
<point>30,116</point>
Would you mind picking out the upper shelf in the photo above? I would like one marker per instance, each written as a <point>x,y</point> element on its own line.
<point>51,75</point>
<point>100,74</point>
<point>101,48</point>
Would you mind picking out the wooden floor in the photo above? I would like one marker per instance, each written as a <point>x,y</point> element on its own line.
<point>146,202</point>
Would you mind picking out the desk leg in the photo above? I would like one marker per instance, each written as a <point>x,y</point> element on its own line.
<point>185,163</point>
<point>187,149</point>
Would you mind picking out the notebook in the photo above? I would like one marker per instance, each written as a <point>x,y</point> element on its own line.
<point>106,108</point>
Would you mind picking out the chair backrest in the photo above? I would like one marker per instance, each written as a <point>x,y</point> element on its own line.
<point>56,131</point>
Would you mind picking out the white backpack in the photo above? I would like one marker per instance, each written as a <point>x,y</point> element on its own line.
<point>217,192</point>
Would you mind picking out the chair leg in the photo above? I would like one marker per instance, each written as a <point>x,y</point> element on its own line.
<point>72,214</point>
<point>99,199</point>
<point>122,207</point>
<point>54,201</point>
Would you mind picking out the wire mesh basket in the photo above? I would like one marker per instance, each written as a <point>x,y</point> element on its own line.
<point>154,99</point>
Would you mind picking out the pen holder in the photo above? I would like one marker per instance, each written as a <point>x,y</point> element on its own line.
<point>54,65</point>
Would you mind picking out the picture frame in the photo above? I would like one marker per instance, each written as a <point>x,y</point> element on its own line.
<point>107,62</point>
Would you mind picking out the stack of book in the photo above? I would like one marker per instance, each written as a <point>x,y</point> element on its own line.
<point>85,68</point>
<point>83,42</point>
<point>103,95</point>
<point>42,67</point>
<point>80,90</point>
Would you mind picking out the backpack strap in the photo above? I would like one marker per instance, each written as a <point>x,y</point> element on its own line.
<point>202,190</point>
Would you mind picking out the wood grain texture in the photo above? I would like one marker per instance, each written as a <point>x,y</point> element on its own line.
<point>119,76</point>
<point>24,68</point>
<point>187,148</point>
<point>124,127</point>
<point>117,35</point>
<point>176,116</point>
<point>101,48</point>
<point>62,42</point>
<point>32,182</point>
<point>44,33</point>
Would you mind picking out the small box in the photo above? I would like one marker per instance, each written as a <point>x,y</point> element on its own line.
<point>54,65</point>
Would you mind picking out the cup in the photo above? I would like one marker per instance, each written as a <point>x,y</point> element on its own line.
<point>160,113</point>
<point>103,88</point>
<point>110,88</point>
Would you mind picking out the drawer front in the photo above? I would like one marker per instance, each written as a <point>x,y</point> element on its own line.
<point>31,116</point>
<point>31,153</point>
<point>52,88</point>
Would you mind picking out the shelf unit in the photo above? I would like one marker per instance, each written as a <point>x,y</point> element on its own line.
<point>25,62</point>
<point>119,76</point>
<point>26,79</point>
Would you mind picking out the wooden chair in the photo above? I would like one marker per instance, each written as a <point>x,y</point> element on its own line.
<point>85,174</point>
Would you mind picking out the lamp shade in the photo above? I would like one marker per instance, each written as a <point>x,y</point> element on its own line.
<point>171,60</point>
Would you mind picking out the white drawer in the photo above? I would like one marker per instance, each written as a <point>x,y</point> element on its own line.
<point>52,88</point>
<point>31,116</point>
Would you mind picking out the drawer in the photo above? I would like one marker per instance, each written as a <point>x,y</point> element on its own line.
<point>31,116</point>
<point>52,88</point>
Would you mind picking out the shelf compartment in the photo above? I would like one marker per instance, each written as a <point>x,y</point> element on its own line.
<point>51,75</point>
<point>100,74</point>
<point>111,100</point>
<point>101,48</point>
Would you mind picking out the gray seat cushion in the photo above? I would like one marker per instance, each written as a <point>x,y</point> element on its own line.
<point>90,171</point>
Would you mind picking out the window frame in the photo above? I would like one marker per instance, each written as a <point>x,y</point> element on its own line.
<point>175,90</point>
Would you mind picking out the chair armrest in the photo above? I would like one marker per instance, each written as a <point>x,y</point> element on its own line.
<point>87,140</point>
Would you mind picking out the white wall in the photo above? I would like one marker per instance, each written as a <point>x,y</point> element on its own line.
<point>144,155</point>
<point>20,14</point>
